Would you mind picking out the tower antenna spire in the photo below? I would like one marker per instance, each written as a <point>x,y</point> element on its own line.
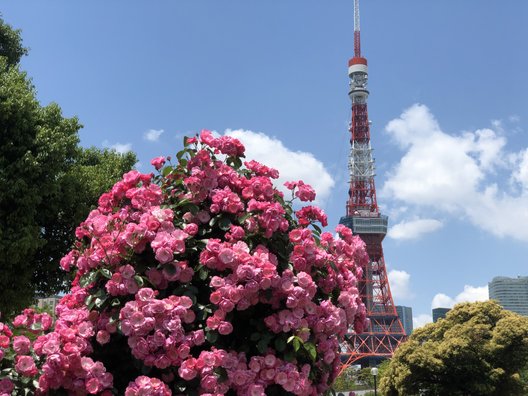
<point>357,31</point>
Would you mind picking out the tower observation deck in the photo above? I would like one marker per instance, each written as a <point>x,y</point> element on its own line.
<point>384,332</point>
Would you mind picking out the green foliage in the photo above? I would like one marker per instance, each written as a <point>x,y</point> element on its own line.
<point>365,377</point>
<point>346,380</point>
<point>77,188</point>
<point>49,183</point>
<point>10,44</point>
<point>383,369</point>
<point>478,349</point>
<point>358,379</point>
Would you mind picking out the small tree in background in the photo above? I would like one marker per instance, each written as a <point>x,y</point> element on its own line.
<point>479,349</point>
<point>346,380</point>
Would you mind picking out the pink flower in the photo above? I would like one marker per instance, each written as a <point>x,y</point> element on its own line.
<point>158,162</point>
<point>269,360</point>
<point>145,386</point>
<point>225,328</point>
<point>206,137</point>
<point>132,178</point>
<point>305,192</point>
<point>256,390</point>
<point>25,365</point>
<point>127,271</point>
<point>103,337</point>
<point>191,229</point>
<point>93,386</point>
<point>21,345</point>
<point>187,370</point>
<point>226,256</point>
<point>6,386</point>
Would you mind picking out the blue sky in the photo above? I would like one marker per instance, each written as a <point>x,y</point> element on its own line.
<point>448,104</point>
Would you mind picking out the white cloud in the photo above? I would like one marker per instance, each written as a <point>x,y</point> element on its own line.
<point>400,284</point>
<point>153,135</point>
<point>453,174</point>
<point>520,175</point>
<point>469,294</point>
<point>421,320</point>
<point>121,148</point>
<point>441,300</point>
<point>413,229</point>
<point>514,118</point>
<point>292,165</point>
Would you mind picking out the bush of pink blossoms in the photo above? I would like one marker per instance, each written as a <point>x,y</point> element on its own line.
<point>201,280</point>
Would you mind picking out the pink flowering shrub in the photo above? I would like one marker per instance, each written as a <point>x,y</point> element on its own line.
<point>201,280</point>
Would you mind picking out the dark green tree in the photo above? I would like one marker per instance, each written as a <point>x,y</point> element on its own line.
<point>10,44</point>
<point>479,349</point>
<point>49,183</point>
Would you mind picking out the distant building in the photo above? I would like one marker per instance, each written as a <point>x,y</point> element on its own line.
<point>439,313</point>
<point>511,293</point>
<point>48,302</point>
<point>405,315</point>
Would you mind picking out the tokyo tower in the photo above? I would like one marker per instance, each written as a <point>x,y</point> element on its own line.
<point>384,332</point>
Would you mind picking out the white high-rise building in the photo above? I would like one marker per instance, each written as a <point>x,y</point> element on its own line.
<point>511,293</point>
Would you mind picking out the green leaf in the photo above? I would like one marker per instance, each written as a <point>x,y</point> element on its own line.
<point>88,278</point>
<point>203,274</point>
<point>311,349</point>
<point>201,315</point>
<point>254,337</point>
<point>89,301</point>
<point>115,302</point>
<point>243,218</point>
<point>36,326</point>
<point>222,373</point>
<point>166,171</point>
<point>106,273</point>
<point>237,162</point>
<point>211,336</point>
<point>268,294</point>
<point>280,345</point>
<point>296,344</point>
<point>100,301</point>
<point>139,280</point>
<point>262,345</point>
<point>213,221</point>
<point>181,153</point>
<point>289,356</point>
<point>224,223</point>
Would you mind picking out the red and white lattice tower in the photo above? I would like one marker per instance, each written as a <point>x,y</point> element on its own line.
<point>385,331</point>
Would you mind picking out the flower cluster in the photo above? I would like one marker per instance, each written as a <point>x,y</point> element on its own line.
<point>143,385</point>
<point>65,352</point>
<point>35,322</point>
<point>247,378</point>
<point>201,279</point>
<point>155,328</point>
